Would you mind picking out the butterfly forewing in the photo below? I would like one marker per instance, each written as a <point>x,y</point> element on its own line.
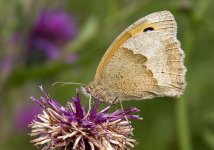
<point>144,61</point>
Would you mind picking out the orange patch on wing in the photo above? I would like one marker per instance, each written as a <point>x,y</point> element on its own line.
<point>137,29</point>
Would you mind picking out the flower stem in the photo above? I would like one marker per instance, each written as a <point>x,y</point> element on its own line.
<point>183,125</point>
<point>181,106</point>
<point>183,130</point>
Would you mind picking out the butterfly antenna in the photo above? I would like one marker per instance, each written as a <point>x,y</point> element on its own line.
<point>121,105</point>
<point>67,83</point>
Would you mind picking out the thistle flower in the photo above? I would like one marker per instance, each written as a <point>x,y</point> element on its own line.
<point>75,127</point>
<point>49,34</point>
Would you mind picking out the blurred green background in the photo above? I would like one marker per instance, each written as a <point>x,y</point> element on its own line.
<point>169,124</point>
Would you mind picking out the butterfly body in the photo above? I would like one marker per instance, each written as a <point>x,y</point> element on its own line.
<point>143,62</point>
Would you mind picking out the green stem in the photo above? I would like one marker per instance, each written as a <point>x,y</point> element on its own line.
<point>181,107</point>
<point>183,125</point>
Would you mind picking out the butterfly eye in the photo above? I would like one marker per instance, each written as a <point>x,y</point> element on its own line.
<point>148,29</point>
<point>88,90</point>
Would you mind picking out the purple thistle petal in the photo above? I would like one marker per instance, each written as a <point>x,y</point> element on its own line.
<point>37,101</point>
<point>94,110</point>
<point>101,118</point>
<point>79,111</point>
<point>137,117</point>
<point>84,111</point>
<point>125,112</point>
<point>43,91</point>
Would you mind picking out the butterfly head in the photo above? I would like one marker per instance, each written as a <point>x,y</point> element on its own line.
<point>97,92</point>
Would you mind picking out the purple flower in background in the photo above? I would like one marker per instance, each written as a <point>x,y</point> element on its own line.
<point>75,127</point>
<point>51,31</point>
<point>25,115</point>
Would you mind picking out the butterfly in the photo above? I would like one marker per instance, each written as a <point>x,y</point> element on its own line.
<point>143,62</point>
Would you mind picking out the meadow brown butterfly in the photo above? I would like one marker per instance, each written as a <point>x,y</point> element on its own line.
<point>144,61</point>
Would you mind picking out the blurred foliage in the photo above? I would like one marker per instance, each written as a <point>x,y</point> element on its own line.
<point>184,124</point>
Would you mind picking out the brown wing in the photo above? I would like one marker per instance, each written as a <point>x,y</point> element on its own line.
<point>143,62</point>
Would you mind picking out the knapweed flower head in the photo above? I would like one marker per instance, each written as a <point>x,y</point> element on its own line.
<point>50,32</point>
<point>75,127</point>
